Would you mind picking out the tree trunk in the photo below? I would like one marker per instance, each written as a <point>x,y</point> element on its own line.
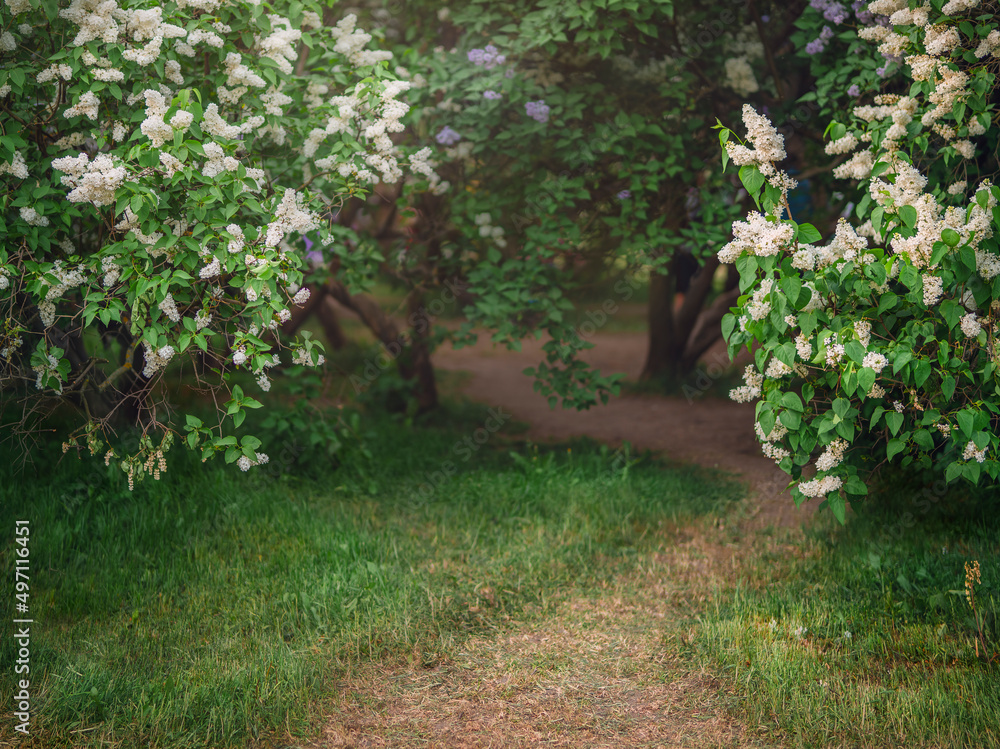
<point>427,397</point>
<point>412,357</point>
<point>679,337</point>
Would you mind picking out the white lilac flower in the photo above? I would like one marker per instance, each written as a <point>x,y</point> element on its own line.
<point>804,347</point>
<point>169,307</point>
<point>971,325</point>
<point>834,353</point>
<point>832,456</point>
<point>863,329</point>
<point>751,390</point>
<point>821,487</point>
<point>777,368</point>
<point>971,452</point>
<point>33,217</point>
<point>875,361</point>
<point>933,290</point>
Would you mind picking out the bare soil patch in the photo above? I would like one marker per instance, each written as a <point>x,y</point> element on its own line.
<point>708,431</point>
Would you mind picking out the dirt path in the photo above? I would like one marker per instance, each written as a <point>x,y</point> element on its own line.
<point>710,431</point>
<point>603,672</point>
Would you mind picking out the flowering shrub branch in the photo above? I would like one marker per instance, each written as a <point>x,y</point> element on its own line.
<point>159,166</point>
<point>880,345</point>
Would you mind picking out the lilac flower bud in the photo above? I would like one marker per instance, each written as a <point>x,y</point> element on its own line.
<point>492,95</point>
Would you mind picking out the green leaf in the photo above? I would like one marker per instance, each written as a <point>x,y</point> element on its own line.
<point>894,448</point>
<point>901,360</point>
<point>792,401</point>
<point>866,378</point>
<point>908,215</point>
<point>948,387</point>
<point>841,406</point>
<point>894,421</point>
<point>791,419</point>
<point>966,423</point>
<point>950,237</point>
<point>809,234</point>
<point>752,180</point>
<point>953,471</point>
<point>837,507</point>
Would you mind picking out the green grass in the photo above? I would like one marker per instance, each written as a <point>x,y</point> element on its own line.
<point>908,673</point>
<point>216,608</point>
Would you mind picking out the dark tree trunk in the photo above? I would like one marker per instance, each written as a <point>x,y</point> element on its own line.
<point>679,336</point>
<point>427,397</point>
<point>412,357</point>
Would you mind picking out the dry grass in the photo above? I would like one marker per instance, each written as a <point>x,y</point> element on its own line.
<point>599,671</point>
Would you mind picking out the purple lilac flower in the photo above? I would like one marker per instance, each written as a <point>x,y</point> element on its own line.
<point>487,57</point>
<point>492,95</point>
<point>537,110</point>
<point>826,33</point>
<point>880,72</point>
<point>624,195</point>
<point>836,13</point>
<point>509,73</point>
<point>815,46</point>
<point>854,90</point>
<point>447,137</point>
<point>765,19</point>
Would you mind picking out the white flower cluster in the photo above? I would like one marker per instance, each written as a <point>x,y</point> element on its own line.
<point>49,369</point>
<point>301,356</point>
<point>486,229</point>
<point>110,270</point>
<point>288,218</point>
<point>751,390</point>
<point>740,77</point>
<point>156,359</point>
<point>971,326</point>
<point>169,307</point>
<point>875,361</point>
<point>246,464</point>
<point>820,487</point>
<point>16,167</point>
<point>351,43</point>
<point>92,181</point>
<point>846,245</point>
<point>759,306</point>
<point>971,452</point>
<point>933,289</point>
<point>768,144</point>
<point>832,456</point>
<point>863,330</point>
<point>758,235</point>
<point>33,217</point>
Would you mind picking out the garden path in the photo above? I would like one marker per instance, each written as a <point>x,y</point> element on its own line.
<point>711,431</point>
<point>605,671</point>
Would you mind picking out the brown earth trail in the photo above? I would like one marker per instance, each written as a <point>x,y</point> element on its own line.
<point>712,432</point>
<point>604,671</point>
